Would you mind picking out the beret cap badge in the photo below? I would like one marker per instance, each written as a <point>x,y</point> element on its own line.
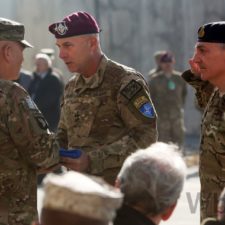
<point>61,28</point>
<point>201,32</point>
<point>213,32</point>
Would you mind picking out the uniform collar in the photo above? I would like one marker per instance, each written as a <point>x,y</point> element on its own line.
<point>221,93</point>
<point>96,79</point>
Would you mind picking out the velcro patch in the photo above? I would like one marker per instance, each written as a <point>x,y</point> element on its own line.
<point>132,88</point>
<point>144,106</point>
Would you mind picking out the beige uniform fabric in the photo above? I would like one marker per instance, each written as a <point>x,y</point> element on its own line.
<point>212,146</point>
<point>25,145</point>
<point>104,118</point>
<point>168,96</point>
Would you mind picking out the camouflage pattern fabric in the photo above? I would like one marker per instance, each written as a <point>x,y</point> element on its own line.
<point>168,96</point>
<point>109,117</point>
<point>25,145</point>
<point>212,146</point>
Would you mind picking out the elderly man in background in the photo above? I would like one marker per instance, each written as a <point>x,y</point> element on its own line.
<point>207,76</point>
<point>46,89</point>
<point>106,111</point>
<point>151,181</point>
<point>26,144</point>
<point>76,199</point>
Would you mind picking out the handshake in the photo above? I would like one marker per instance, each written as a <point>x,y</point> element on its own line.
<point>74,159</point>
<point>71,153</point>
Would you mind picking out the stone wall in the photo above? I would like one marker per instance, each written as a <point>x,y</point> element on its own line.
<point>132,30</point>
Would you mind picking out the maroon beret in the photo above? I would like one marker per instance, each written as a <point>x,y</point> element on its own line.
<point>77,23</point>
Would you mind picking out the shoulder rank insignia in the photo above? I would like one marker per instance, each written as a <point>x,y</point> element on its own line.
<point>30,103</point>
<point>131,89</point>
<point>144,106</point>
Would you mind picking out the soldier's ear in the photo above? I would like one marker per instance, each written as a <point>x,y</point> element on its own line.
<point>168,212</point>
<point>7,52</point>
<point>92,41</point>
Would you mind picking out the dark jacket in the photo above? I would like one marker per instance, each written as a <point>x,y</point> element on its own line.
<point>47,93</point>
<point>129,216</point>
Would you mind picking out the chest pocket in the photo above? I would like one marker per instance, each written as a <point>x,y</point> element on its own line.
<point>81,113</point>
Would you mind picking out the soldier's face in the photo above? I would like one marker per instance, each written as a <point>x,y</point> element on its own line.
<point>41,65</point>
<point>167,67</point>
<point>13,56</point>
<point>75,52</point>
<point>210,58</point>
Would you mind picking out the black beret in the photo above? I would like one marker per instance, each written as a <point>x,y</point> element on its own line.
<point>212,32</point>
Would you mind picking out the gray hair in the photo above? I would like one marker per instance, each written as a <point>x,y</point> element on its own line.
<point>45,57</point>
<point>153,179</point>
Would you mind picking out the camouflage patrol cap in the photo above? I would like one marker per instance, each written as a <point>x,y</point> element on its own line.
<point>12,31</point>
<point>82,195</point>
<point>212,32</point>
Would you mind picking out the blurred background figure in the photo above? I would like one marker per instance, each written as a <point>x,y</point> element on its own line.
<point>157,57</point>
<point>151,181</point>
<point>51,53</point>
<point>46,89</point>
<point>168,91</point>
<point>76,199</point>
<point>24,79</point>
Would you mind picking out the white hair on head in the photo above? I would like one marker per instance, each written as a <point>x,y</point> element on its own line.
<point>153,178</point>
<point>45,57</point>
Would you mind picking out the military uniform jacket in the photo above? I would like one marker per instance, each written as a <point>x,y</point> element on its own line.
<point>109,117</point>
<point>25,145</point>
<point>168,94</point>
<point>212,147</point>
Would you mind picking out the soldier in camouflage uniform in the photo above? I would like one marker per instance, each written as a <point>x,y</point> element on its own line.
<point>26,144</point>
<point>207,76</point>
<point>220,220</point>
<point>168,92</point>
<point>157,57</point>
<point>106,111</point>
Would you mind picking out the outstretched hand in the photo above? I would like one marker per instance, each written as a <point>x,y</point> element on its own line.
<point>80,164</point>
